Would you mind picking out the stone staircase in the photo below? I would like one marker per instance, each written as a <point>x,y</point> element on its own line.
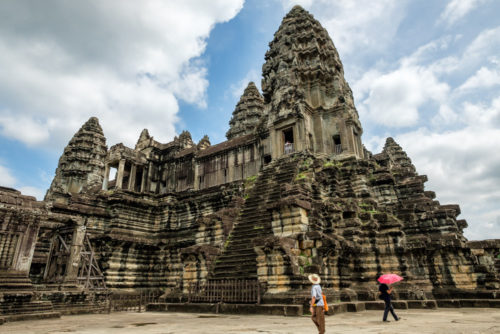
<point>238,261</point>
<point>16,299</point>
<point>77,302</point>
<point>14,281</point>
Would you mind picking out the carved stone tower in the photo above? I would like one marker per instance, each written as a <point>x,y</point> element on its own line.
<point>247,113</point>
<point>310,104</point>
<point>81,167</point>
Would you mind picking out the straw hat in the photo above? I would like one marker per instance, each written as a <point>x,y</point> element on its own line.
<point>314,278</point>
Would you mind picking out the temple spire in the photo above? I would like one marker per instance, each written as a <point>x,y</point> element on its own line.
<point>81,167</point>
<point>303,63</point>
<point>247,113</point>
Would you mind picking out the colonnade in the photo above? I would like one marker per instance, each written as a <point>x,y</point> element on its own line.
<point>125,168</point>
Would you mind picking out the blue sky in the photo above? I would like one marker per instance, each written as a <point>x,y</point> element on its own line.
<point>424,72</point>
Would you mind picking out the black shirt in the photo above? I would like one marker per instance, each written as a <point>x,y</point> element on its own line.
<point>383,288</point>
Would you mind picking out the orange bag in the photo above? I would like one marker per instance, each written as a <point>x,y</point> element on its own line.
<point>326,304</point>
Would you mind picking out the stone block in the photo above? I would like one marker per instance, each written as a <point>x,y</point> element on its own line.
<point>422,304</point>
<point>474,303</point>
<point>400,304</point>
<point>375,305</point>
<point>356,307</point>
<point>338,308</point>
<point>156,307</point>
<point>305,244</point>
<point>495,303</point>
<point>448,303</point>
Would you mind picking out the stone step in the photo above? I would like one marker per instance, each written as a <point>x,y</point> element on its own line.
<point>236,260</point>
<point>237,265</point>
<point>249,234</point>
<point>269,309</point>
<point>239,259</point>
<point>241,253</point>
<point>33,316</point>
<point>250,223</point>
<point>80,309</point>
<point>232,275</point>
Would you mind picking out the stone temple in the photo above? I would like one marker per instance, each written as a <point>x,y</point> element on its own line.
<point>292,191</point>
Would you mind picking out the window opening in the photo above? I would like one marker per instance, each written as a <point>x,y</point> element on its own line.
<point>337,145</point>
<point>288,141</point>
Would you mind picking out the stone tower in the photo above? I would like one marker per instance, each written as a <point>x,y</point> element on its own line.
<point>310,104</point>
<point>291,192</point>
<point>247,113</point>
<point>81,167</point>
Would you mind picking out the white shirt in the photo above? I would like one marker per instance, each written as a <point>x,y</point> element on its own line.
<point>317,293</point>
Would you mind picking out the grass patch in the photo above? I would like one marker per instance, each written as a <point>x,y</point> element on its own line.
<point>336,164</point>
<point>228,240</point>
<point>370,211</point>
<point>251,178</point>
<point>300,176</point>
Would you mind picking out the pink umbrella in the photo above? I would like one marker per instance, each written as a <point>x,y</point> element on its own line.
<point>390,278</point>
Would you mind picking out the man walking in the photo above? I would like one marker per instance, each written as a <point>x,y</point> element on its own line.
<point>385,294</point>
<point>317,306</point>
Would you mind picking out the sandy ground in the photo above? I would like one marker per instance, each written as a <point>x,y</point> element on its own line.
<point>454,321</point>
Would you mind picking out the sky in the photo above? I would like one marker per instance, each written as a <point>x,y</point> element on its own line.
<point>426,73</point>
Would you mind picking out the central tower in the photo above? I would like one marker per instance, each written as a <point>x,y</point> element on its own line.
<point>308,102</point>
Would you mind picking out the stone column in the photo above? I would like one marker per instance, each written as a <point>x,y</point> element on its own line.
<point>144,178</point>
<point>196,183</point>
<point>106,177</point>
<point>131,178</point>
<point>354,141</point>
<point>25,246</point>
<point>74,254</point>
<point>149,177</point>
<point>119,174</point>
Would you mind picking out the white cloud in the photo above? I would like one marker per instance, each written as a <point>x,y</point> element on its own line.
<point>483,49</point>
<point>394,98</point>
<point>482,116</point>
<point>127,63</point>
<point>23,128</point>
<point>455,145</point>
<point>38,193</point>
<point>238,88</point>
<point>445,117</point>
<point>462,165</point>
<point>6,177</point>
<point>457,9</point>
<point>483,78</point>
<point>357,25</point>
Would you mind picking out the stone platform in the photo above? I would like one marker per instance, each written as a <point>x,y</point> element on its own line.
<point>457,321</point>
<point>298,310</point>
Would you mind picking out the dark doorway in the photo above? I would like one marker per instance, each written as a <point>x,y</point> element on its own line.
<point>337,145</point>
<point>288,141</point>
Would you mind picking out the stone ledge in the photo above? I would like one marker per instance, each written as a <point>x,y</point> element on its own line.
<point>457,303</point>
<point>380,305</point>
<point>267,309</point>
<point>28,316</point>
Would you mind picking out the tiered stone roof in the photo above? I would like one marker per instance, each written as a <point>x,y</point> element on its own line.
<point>247,113</point>
<point>302,63</point>
<point>82,161</point>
